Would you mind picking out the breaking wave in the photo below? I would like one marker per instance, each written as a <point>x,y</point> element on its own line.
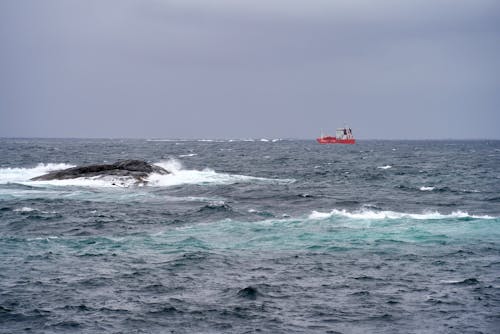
<point>24,209</point>
<point>178,176</point>
<point>377,215</point>
<point>20,175</point>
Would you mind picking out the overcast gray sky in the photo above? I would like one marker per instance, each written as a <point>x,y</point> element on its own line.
<point>390,69</point>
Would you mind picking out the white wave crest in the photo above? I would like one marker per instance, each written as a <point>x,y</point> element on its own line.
<point>28,209</point>
<point>385,167</point>
<point>316,215</point>
<point>92,182</point>
<point>378,215</point>
<point>179,176</point>
<point>24,209</point>
<point>19,175</point>
<point>424,188</point>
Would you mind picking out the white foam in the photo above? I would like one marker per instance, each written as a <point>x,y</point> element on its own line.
<point>385,167</point>
<point>178,176</point>
<point>319,215</point>
<point>378,215</point>
<point>187,155</point>
<point>93,182</point>
<point>211,140</point>
<point>19,175</point>
<point>50,237</point>
<point>216,203</point>
<point>451,281</point>
<point>24,209</point>
<point>424,188</point>
<point>24,176</point>
<point>470,191</point>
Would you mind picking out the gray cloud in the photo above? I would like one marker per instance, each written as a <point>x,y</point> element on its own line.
<point>397,69</point>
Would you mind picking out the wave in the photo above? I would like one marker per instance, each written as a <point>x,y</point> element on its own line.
<point>319,231</point>
<point>316,232</point>
<point>23,176</point>
<point>19,175</point>
<point>178,176</point>
<point>216,206</point>
<point>385,167</point>
<point>92,182</point>
<point>378,215</point>
<point>24,209</point>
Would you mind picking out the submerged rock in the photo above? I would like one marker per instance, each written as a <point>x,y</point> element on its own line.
<point>137,169</point>
<point>249,292</point>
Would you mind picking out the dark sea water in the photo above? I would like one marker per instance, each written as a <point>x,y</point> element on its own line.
<point>270,236</point>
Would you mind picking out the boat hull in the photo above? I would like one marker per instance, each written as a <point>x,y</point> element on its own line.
<point>334,140</point>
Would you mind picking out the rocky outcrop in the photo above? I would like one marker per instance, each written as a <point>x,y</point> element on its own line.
<point>137,169</point>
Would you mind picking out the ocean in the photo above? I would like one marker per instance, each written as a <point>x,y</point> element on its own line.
<point>252,236</point>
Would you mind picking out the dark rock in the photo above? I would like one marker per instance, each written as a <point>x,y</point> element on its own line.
<point>249,292</point>
<point>137,169</point>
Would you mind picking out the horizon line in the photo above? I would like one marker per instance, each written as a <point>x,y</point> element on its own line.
<point>263,139</point>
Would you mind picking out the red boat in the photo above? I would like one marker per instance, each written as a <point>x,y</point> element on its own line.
<point>342,136</point>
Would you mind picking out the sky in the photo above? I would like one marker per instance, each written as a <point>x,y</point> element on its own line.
<point>394,69</point>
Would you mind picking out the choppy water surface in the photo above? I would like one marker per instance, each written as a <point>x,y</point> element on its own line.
<point>252,236</point>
